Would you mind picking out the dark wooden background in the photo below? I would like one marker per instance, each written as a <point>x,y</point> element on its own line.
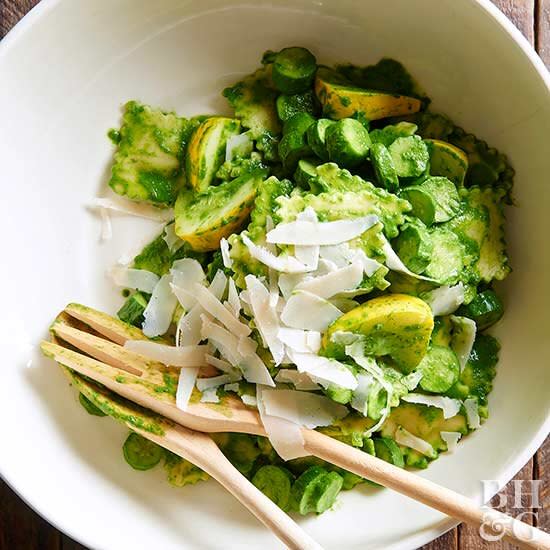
<point>22,529</point>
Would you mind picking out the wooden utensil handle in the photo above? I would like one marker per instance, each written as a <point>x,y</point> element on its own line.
<point>440,498</point>
<point>203,452</point>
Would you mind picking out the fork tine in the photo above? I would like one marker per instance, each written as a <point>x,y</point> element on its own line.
<point>113,329</point>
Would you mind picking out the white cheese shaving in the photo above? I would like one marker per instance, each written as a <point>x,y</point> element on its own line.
<point>218,284</point>
<point>265,317</point>
<point>160,309</point>
<point>308,311</point>
<point>357,353</point>
<point>106,225</point>
<point>472,413</point>
<point>445,299</point>
<point>173,242</point>
<point>304,341</point>
<point>220,364</point>
<point>412,380</point>
<point>450,407</point>
<point>360,397</point>
<point>234,387</point>
<point>186,383</point>
<point>403,437</point>
<point>249,400</point>
<point>140,210</point>
<point>327,286</point>
<point>463,338</point>
<point>289,281</point>
<point>210,396</point>
<point>394,263</point>
<point>246,346</point>
<point>186,272</point>
<point>255,371</point>
<point>307,233</point>
<point>226,258</point>
<point>138,279</point>
<point>188,331</point>
<point>233,300</point>
<point>214,381</point>
<point>308,255</point>
<point>299,380</point>
<point>283,263</point>
<point>451,439</point>
<point>323,370</point>
<point>225,342</point>
<point>212,305</point>
<point>184,356</point>
<point>285,436</point>
<point>344,304</point>
<point>239,144</point>
<point>303,408</point>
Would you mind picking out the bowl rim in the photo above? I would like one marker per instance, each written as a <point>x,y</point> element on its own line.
<point>429,534</point>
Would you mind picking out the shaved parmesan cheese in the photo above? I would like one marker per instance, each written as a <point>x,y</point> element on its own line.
<point>370,266</point>
<point>212,305</point>
<point>255,371</point>
<point>463,338</point>
<point>339,254</point>
<point>184,356</point>
<point>249,400</point>
<point>323,370</point>
<point>246,346</point>
<point>285,436</point>
<point>451,439</point>
<point>308,311</point>
<point>289,281</point>
<point>186,272</point>
<point>232,387</point>
<point>284,264</point>
<point>186,383</point>
<point>226,258</point>
<point>173,242</point>
<point>472,413</point>
<point>327,286</point>
<point>357,353</point>
<point>403,437</point>
<point>445,299</point>
<point>141,210</point>
<point>214,381</point>
<point>303,408</point>
<point>394,263</point>
<point>265,317</point>
<point>186,298</point>
<point>308,255</point>
<point>343,304</point>
<point>359,400</point>
<point>233,300</point>
<point>225,342</point>
<point>240,143</point>
<point>412,380</point>
<point>188,332</point>
<point>218,284</point>
<point>304,341</point>
<point>106,225</point>
<point>450,407</point>
<point>220,364</point>
<point>210,396</point>
<point>307,233</point>
<point>160,309</point>
<point>138,279</point>
<point>300,381</point>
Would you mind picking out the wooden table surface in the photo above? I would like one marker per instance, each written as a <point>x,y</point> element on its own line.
<point>23,529</point>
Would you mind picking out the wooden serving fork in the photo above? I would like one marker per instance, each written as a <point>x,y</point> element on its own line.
<point>138,379</point>
<point>197,447</point>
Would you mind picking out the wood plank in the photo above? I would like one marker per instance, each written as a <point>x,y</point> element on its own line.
<point>11,11</point>
<point>542,30</point>
<point>21,528</point>
<point>542,473</point>
<point>521,13</point>
<point>514,503</point>
<point>448,541</point>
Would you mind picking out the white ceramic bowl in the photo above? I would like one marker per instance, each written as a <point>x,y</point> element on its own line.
<point>65,71</point>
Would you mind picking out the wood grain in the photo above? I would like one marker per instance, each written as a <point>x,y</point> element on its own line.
<point>22,529</point>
